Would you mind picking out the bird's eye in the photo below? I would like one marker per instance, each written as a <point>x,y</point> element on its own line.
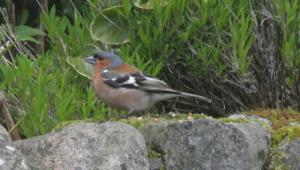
<point>96,56</point>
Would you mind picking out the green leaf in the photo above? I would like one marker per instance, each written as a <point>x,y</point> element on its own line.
<point>110,27</point>
<point>26,33</point>
<point>81,66</point>
<point>149,4</point>
<point>23,17</point>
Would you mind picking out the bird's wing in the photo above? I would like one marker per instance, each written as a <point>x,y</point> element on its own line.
<point>134,80</point>
<point>144,82</point>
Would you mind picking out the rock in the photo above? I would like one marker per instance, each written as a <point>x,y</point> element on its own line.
<point>4,135</point>
<point>10,157</point>
<point>209,144</point>
<point>106,146</point>
<point>290,153</point>
<point>155,164</point>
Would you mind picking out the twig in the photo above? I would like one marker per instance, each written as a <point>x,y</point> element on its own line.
<point>14,133</point>
<point>44,8</point>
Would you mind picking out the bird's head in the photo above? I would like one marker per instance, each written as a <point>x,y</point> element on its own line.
<point>104,60</point>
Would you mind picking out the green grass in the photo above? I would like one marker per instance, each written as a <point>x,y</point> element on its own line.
<point>41,95</point>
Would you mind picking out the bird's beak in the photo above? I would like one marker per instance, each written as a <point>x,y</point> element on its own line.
<point>91,60</point>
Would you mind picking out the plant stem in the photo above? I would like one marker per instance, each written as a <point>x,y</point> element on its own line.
<point>8,119</point>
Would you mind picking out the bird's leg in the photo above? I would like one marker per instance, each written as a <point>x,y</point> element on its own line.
<point>125,116</point>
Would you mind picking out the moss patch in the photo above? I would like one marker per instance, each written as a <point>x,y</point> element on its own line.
<point>290,132</point>
<point>278,117</point>
<point>234,120</point>
<point>136,122</point>
<point>281,123</point>
<point>139,122</point>
<point>276,162</point>
<point>154,154</point>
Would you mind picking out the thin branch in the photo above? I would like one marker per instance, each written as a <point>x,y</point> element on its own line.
<point>10,125</point>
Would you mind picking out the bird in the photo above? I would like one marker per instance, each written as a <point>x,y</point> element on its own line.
<point>125,87</point>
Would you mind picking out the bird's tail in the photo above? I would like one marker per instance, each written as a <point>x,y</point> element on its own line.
<point>166,93</point>
<point>202,98</point>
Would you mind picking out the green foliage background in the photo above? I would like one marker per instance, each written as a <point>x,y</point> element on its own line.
<point>243,54</point>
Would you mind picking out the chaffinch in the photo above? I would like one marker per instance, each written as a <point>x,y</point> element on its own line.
<point>125,87</point>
